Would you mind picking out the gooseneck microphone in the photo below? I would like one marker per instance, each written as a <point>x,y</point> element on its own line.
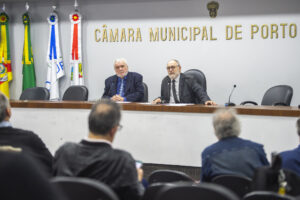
<point>230,103</point>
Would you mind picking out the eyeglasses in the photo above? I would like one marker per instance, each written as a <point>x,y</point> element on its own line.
<point>120,127</point>
<point>171,67</point>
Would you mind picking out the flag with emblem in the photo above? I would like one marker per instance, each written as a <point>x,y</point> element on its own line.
<point>54,59</point>
<point>29,79</point>
<point>5,62</point>
<point>76,57</point>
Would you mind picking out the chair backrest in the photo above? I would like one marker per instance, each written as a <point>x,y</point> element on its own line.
<point>280,95</point>
<point>37,93</point>
<point>205,191</point>
<point>168,176</point>
<point>76,93</point>
<point>75,188</point>
<point>240,185</point>
<point>266,195</point>
<point>154,190</point>
<point>198,75</point>
<point>145,99</point>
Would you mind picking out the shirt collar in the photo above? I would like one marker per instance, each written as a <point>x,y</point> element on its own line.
<point>5,124</point>
<point>97,140</point>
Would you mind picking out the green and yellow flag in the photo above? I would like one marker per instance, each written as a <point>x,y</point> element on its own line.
<point>29,80</point>
<point>5,65</point>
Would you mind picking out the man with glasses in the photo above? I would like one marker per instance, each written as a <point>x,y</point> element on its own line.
<point>94,157</point>
<point>179,88</point>
<point>124,85</point>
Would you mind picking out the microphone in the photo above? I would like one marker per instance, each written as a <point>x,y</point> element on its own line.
<point>230,103</point>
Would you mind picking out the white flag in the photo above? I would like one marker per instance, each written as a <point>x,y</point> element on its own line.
<point>54,59</point>
<point>76,57</point>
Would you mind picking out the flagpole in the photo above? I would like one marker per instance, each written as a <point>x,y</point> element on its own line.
<point>27,6</point>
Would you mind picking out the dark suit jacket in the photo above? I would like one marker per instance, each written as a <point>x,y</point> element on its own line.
<point>98,160</point>
<point>134,90</point>
<point>189,90</point>
<point>30,144</point>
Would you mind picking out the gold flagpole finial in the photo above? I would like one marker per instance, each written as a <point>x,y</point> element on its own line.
<point>27,6</point>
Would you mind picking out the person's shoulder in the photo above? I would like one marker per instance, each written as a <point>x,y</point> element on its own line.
<point>135,74</point>
<point>251,143</point>
<point>23,132</point>
<point>210,149</point>
<point>122,154</point>
<point>110,78</point>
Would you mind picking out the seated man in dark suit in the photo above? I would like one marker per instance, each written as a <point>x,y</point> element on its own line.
<point>180,88</point>
<point>291,159</point>
<point>94,157</point>
<point>231,154</point>
<point>22,140</point>
<point>124,85</point>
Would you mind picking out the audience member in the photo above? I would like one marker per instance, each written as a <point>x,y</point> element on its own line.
<point>291,159</point>
<point>231,154</point>
<point>180,88</point>
<point>95,158</point>
<point>21,178</point>
<point>124,85</point>
<point>22,140</point>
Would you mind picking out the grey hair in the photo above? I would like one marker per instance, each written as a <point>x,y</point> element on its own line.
<point>119,60</point>
<point>4,104</point>
<point>105,115</point>
<point>175,61</point>
<point>226,123</point>
<point>298,126</point>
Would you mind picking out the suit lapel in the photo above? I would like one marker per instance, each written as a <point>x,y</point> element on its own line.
<point>181,84</point>
<point>114,85</point>
<point>128,83</point>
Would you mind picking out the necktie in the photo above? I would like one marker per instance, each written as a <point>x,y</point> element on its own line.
<point>121,88</point>
<point>174,92</point>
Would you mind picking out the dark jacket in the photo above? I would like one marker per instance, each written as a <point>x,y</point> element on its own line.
<point>134,90</point>
<point>189,90</point>
<point>232,155</point>
<point>30,144</point>
<point>98,160</point>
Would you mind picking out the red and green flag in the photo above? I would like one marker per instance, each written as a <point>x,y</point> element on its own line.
<point>29,79</point>
<point>5,62</point>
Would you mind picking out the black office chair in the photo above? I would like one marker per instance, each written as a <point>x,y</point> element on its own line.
<point>76,188</point>
<point>76,93</point>
<point>168,176</point>
<point>198,75</point>
<point>145,99</point>
<point>154,190</point>
<point>240,185</point>
<point>280,95</point>
<point>37,93</point>
<point>266,195</point>
<point>205,191</point>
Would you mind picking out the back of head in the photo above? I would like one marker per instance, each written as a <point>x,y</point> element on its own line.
<point>226,123</point>
<point>105,115</point>
<point>4,104</point>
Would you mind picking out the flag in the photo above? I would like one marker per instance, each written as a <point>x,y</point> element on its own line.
<point>76,57</point>
<point>54,59</point>
<point>29,80</point>
<point>5,63</point>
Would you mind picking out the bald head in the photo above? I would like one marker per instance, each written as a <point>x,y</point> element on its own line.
<point>104,116</point>
<point>226,123</point>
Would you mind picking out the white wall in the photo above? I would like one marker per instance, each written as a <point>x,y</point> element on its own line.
<point>253,64</point>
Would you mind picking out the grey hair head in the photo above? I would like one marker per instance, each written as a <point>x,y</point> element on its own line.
<point>105,115</point>
<point>226,123</point>
<point>4,104</point>
<point>121,60</point>
<point>177,62</point>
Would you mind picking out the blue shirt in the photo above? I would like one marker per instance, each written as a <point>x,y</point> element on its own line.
<point>291,160</point>
<point>121,86</point>
<point>232,155</point>
<point>5,124</point>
